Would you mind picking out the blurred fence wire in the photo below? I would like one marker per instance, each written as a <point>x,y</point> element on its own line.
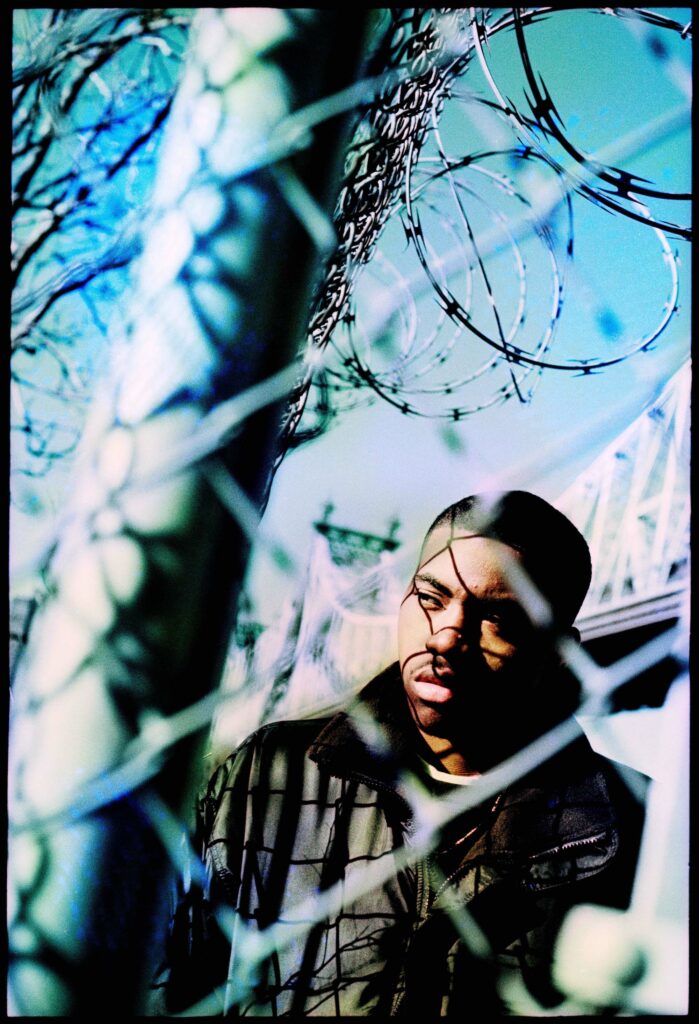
<point>115,689</point>
<point>145,577</point>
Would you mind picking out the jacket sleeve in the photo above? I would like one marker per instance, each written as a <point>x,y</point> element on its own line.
<point>197,951</point>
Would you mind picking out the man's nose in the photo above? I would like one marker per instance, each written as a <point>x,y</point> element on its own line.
<point>447,640</point>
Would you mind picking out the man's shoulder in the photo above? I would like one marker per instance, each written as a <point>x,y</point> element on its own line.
<point>331,740</point>
<point>293,735</point>
<point>599,786</point>
<point>580,779</point>
<point>628,791</point>
<point>280,743</point>
<point>579,760</point>
<point>625,785</point>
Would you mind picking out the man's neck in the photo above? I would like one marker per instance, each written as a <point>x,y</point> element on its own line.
<point>446,757</point>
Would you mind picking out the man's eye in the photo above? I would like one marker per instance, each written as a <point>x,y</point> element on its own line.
<point>495,615</point>
<point>506,621</point>
<point>429,601</point>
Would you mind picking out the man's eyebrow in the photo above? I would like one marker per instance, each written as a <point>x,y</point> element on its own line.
<point>495,603</point>
<point>427,577</point>
<point>489,601</point>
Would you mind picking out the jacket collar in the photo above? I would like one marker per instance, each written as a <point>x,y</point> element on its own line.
<point>382,754</point>
<point>565,798</point>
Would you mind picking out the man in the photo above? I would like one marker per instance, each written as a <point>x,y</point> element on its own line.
<point>342,806</point>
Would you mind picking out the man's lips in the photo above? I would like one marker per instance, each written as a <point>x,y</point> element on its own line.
<point>432,689</point>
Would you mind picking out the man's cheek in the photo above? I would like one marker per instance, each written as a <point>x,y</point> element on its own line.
<point>412,634</point>
<point>497,649</point>
<point>502,664</point>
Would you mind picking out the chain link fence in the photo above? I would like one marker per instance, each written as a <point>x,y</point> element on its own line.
<point>116,690</point>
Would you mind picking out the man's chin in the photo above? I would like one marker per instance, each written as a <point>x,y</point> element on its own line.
<point>472,721</point>
<point>433,726</point>
<point>445,723</point>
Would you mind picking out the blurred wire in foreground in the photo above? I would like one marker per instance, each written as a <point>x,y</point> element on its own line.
<point>145,577</point>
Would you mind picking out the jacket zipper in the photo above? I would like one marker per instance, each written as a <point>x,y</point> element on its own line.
<point>480,826</point>
<point>570,845</point>
<point>564,847</point>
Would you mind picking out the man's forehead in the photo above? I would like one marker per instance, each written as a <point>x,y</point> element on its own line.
<point>441,538</point>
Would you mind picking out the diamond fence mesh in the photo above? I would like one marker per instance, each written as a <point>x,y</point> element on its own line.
<point>118,685</point>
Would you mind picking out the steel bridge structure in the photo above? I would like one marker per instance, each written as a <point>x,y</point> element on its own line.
<point>633,506</point>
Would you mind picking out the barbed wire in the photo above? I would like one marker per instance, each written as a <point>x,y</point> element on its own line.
<point>546,121</point>
<point>362,214</point>
<point>416,66</point>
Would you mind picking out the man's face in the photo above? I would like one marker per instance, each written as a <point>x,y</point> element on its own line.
<point>467,651</point>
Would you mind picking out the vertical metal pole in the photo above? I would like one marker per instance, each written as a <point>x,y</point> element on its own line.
<point>149,564</point>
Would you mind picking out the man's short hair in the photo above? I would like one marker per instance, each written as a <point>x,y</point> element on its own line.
<point>554,552</point>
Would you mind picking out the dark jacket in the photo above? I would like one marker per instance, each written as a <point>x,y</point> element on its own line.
<point>302,805</point>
